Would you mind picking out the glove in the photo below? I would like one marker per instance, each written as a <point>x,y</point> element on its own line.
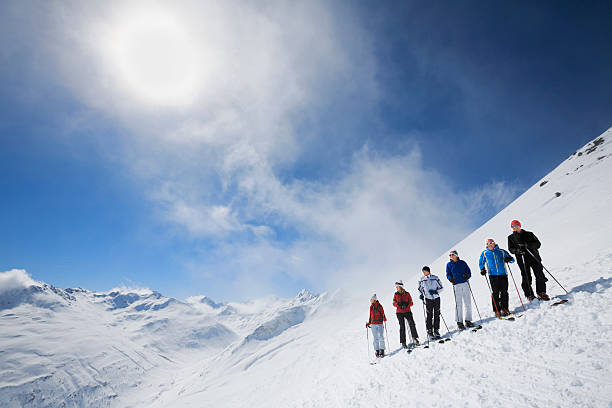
<point>433,292</point>
<point>421,296</point>
<point>483,271</point>
<point>520,251</point>
<point>522,245</point>
<point>368,325</point>
<point>465,276</point>
<point>452,280</point>
<point>506,259</point>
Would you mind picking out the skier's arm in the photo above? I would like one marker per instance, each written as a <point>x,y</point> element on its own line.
<point>448,273</point>
<point>535,243</point>
<point>440,287</point>
<point>469,273</point>
<point>506,254</point>
<point>481,261</point>
<point>511,246</point>
<point>395,300</point>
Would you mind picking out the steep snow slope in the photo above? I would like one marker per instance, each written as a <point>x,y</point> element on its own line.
<point>559,356</point>
<point>132,348</point>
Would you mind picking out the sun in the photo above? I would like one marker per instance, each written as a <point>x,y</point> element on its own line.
<point>153,58</point>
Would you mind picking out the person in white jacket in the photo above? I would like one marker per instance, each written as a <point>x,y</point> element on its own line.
<point>429,289</point>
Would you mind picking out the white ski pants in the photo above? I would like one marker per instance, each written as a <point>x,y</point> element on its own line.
<point>462,298</point>
<point>379,338</point>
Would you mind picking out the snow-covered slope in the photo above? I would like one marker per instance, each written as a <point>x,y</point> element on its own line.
<point>140,349</point>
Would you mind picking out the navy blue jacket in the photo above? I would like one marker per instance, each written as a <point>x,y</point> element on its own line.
<point>456,270</point>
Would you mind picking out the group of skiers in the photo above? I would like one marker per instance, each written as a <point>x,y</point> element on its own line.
<point>523,244</point>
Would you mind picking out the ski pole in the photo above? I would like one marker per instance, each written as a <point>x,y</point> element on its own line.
<point>447,330</point>
<point>489,285</point>
<point>542,265</point>
<point>425,317</point>
<point>469,286</point>
<point>387,334</point>
<point>516,287</point>
<point>456,307</point>
<point>368,343</point>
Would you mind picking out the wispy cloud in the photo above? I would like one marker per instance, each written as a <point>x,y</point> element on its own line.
<point>217,163</point>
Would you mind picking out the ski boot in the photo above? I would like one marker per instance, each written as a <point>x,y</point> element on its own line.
<point>460,326</point>
<point>404,346</point>
<point>382,353</point>
<point>497,314</point>
<point>436,335</point>
<point>530,298</point>
<point>469,323</point>
<point>505,312</point>
<point>543,296</point>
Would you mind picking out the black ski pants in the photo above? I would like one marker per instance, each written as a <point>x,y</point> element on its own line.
<point>402,323</point>
<point>526,264</point>
<point>433,314</point>
<point>499,287</point>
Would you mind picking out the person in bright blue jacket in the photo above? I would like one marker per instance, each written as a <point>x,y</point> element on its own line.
<point>494,258</point>
<point>458,272</point>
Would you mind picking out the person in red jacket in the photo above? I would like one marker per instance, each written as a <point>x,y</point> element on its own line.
<point>377,317</point>
<point>402,301</point>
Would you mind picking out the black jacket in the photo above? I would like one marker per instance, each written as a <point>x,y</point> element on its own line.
<point>524,237</point>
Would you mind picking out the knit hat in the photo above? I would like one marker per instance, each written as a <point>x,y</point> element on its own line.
<point>399,283</point>
<point>515,222</point>
<point>374,297</point>
<point>453,252</point>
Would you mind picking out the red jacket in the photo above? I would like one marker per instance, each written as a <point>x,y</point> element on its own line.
<point>403,298</point>
<point>377,313</point>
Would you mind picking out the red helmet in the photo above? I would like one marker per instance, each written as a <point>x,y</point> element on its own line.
<point>515,222</point>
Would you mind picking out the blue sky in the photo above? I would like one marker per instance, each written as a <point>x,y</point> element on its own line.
<point>242,149</point>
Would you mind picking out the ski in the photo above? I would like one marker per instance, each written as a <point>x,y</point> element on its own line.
<point>560,302</point>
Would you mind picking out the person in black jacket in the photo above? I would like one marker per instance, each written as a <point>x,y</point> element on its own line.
<point>524,244</point>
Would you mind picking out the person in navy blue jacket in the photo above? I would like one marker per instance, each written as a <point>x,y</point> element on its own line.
<point>495,259</point>
<point>458,272</point>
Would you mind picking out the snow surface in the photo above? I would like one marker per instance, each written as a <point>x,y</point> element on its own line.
<point>137,348</point>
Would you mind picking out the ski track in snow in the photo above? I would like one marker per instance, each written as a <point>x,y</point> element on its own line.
<point>77,348</point>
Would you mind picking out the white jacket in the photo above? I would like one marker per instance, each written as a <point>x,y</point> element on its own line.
<point>430,282</point>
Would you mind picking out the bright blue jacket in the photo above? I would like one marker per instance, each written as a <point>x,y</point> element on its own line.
<point>456,270</point>
<point>495,260</point>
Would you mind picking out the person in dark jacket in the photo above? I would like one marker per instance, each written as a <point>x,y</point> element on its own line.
<point>402,302</point>
<point>375,323</point>
<point>524,244</point>
<point>458,272</point>
<point>494,258</point>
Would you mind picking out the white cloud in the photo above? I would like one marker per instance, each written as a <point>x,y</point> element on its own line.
<point>212,161</point>
<point>16,279</point>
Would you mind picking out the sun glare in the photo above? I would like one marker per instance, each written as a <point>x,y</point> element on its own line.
<point>154,58</point>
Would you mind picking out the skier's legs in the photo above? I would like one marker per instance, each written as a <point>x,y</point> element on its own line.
<point>377,333</point>
<point>429,305</point>
<point>503,290</point>
<point>467,301</point>
<point>436,313</point>
<point>540,278</point>
<point>495,289</point>
<point>459,302</point>
<point>402,327</point>
<point>413,330</point>
<point>526,277</point>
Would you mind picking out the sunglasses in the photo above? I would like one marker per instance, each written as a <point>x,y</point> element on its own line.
<point>490,243</point>
<point>514,226</point>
